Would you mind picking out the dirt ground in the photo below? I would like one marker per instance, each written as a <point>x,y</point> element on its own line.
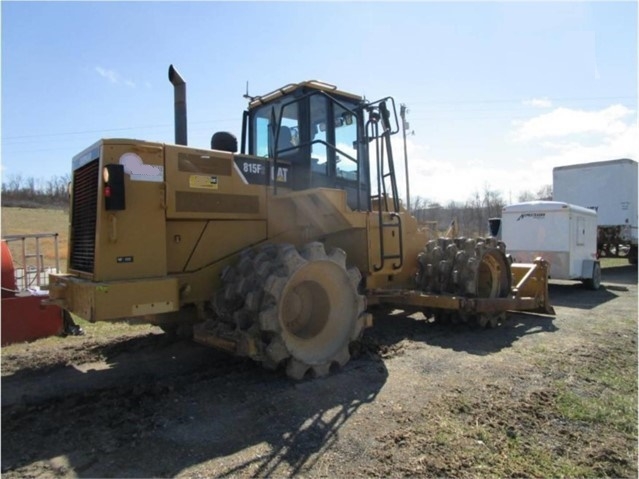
<point>417,399</point>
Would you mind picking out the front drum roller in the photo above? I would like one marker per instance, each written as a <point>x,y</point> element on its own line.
<point>302,308</point>
<point>471,268</point>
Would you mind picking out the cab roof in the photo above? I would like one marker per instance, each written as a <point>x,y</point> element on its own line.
<point>546,206</point>
<point>313,84</point>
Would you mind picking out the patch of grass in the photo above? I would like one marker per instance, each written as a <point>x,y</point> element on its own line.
<point>101,330</point>
<point>523,459</point>
<point>603,392</point>
<point>613,262</point>
<point>492,436</point>
<point>581,421</point>
<point>612,409</point>
<point>112,328</point>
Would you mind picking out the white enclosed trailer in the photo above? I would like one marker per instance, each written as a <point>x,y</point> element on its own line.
<point>565,235</point>
<point>609,188</point>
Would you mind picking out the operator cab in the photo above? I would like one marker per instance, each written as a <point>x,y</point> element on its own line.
<point>319,131</point>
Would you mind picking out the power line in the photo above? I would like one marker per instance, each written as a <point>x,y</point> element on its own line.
<point>418,102</point>
<point>518,100</point>
<point>103,130</point>
<point>480,110</point>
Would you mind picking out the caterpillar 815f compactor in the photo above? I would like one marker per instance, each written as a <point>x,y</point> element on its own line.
<point>277,251</point>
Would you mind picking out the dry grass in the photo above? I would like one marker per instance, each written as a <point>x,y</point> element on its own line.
<point>24,221</point>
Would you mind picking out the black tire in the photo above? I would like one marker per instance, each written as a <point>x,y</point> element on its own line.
<point>594,283</point>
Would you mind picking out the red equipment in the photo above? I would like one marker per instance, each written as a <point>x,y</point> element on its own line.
<point>24,318</point>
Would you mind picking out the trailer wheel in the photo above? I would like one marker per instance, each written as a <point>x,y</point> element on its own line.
<point>595,282</point>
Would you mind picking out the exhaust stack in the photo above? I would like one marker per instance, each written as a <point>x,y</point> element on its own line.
<point>179,89</point>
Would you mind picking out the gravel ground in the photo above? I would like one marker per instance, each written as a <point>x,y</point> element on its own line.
<point>417,399</point>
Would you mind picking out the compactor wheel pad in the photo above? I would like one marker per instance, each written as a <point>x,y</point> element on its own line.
<point>302,308</point>
<point>474,268</point>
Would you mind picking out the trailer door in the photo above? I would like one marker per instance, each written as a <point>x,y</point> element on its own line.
<point>581,231</point>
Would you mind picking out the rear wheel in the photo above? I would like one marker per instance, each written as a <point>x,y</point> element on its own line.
<point>301,308</point>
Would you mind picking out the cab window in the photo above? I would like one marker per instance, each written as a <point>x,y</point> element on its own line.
<point>266,120</point>
<point>345,141</point>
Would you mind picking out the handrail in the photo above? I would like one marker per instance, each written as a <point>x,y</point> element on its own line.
<point>39,267</point>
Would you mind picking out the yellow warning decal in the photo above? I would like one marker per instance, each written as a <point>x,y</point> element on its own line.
<point>201,181</point>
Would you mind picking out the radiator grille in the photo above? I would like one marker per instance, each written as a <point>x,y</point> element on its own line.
<point>83,220</point>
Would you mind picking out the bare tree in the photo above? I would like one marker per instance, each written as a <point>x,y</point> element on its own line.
<point>545,193</point>
<point>34,193</point>
<point>525,196</point>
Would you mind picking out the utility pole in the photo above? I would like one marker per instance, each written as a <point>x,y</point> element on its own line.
<point>402,113</point>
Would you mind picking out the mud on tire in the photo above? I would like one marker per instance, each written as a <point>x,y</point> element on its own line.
<point>474,268</point>
<point>302,308</point>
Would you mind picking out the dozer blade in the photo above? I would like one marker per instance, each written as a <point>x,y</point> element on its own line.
<point>531,280</point>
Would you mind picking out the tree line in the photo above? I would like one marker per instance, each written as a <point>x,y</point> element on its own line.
<point>470,217</point>
<point>19,191</point>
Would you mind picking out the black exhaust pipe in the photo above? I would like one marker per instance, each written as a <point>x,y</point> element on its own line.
<point>179,89</point>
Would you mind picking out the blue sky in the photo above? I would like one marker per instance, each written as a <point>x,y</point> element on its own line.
<point>498,93</point>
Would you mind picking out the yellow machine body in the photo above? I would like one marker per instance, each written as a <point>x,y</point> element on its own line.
<point>275,252</point>
<point>188,214</point>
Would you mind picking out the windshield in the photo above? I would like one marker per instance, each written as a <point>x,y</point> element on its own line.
<point>317,134</point>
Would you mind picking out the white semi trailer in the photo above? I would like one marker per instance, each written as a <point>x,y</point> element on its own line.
<point>609,188</point>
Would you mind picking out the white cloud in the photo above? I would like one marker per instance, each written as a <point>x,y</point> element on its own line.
<point>624,144</point>
<point>567,137</point>
<point>538,102</point>
<point>560,137</point>
<point>439,179</point>
<point>563,122</point>
<point>114,77</point>
<point>108,74</point>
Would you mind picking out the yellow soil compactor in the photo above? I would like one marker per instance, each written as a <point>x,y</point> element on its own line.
<point>277,251</point>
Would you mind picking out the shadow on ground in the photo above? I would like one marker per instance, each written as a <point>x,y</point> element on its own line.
<point>575,295</point>
<point>122,362</point>
<point>162,425</point>
<point>626,274</point>
<point>392,329</point>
